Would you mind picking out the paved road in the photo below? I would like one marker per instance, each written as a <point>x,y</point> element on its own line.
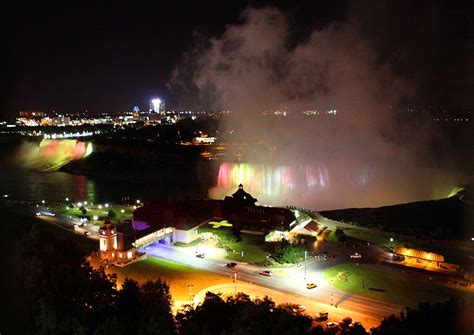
<point>292,282</point>
<point>67,222</point>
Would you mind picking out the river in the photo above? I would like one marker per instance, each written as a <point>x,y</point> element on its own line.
<point>320,185</point>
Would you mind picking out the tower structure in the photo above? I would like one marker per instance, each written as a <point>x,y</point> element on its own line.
<point>108,241</point>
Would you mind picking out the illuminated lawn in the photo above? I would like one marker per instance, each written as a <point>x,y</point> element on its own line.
<point>252,248</point>
<point>251,245</point>
<point>378,238</point>
<point>178,276</point>
<point>388,285</point>
<point>101,213</point>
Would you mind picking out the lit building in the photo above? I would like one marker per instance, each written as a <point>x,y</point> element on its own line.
<point>178,221</point>
<point>108,241</point>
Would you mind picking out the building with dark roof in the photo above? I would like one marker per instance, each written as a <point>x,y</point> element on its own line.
<point>178,221</point>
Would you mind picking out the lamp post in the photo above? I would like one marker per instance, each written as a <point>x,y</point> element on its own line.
<point>190,286</point>
<point>332,291</point>
<point>235,282</point>
<point>305,253</point>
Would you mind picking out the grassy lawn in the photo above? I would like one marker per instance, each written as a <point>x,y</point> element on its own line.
<point>251,245</point>
<point>177,276</point>
<point>101,213</point>
<point>378,238</point>
<point>390,285</point>
<point>331,238</point>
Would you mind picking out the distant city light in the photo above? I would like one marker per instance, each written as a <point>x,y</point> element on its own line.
<point>5,195</point>
<point>156,104</point>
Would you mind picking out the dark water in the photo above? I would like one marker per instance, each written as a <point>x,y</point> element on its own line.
<point>29,185</point>
<point>320,187</point>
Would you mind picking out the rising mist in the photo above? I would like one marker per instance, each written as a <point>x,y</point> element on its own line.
<point>369,154</point>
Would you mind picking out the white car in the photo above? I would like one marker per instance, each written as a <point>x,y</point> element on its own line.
<point>332,325</point>
<point>356,255</point>
<point>265,273</point>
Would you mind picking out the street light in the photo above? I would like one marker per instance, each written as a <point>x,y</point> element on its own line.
<point>235,282</point>
<point>42,201</point>
<point>332,291</point>
<point>106,205</point>
<point>305,253</point>
<point>190,286</point>
<point>67,199</point>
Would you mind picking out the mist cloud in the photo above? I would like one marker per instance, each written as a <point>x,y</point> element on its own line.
<point>255,66</point>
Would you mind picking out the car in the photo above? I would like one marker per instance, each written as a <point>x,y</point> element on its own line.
<point>356,255</point>
<point>332,325</point>
<point>299,308</point>
<point>231,265</point>
<point>265,273</point>
<point>201,255</point>
<point>322,316</point>
<point>38,214</point>
<point>87,233</point>
<point>309,286</point>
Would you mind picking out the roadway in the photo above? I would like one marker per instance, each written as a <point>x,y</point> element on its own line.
<point>291,281</point>
<point>67,222</point>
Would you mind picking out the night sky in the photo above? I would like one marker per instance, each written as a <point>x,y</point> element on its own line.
<point>109,57</point>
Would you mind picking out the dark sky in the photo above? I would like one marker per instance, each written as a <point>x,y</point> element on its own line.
<point>107,57</point>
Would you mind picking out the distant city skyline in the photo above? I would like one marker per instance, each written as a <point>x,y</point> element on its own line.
<point>110,58</point>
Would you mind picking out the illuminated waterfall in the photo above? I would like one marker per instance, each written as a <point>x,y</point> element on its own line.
<point>50,155</point>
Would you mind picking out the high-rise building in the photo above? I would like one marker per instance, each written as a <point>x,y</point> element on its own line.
<point>157,106</point>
